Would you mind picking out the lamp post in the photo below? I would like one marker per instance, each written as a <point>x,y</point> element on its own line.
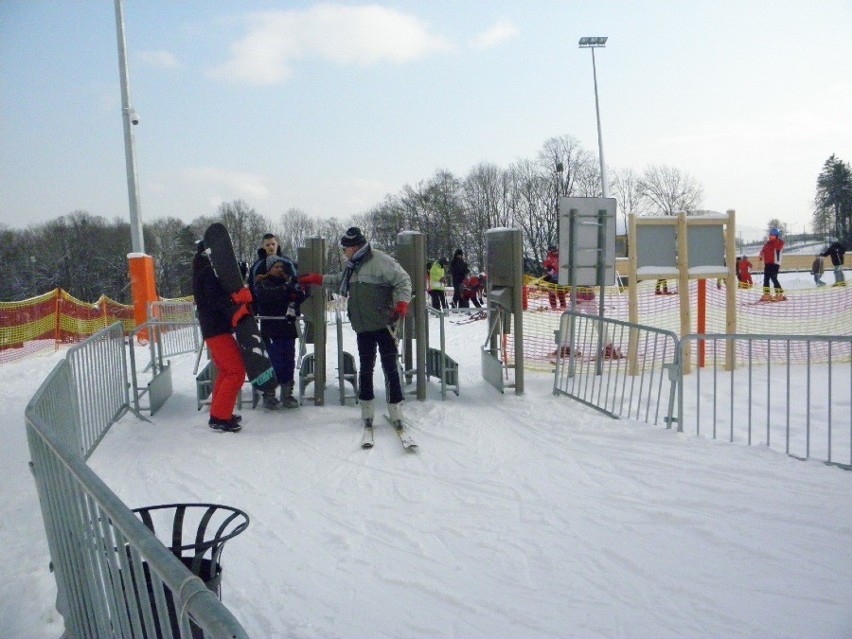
<point>594,43</point>
<point>131,118</point>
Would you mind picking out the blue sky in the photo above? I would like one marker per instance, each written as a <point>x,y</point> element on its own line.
<point>327,107</point>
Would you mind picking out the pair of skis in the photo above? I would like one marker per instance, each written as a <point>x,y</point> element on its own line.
<point>405,437</point>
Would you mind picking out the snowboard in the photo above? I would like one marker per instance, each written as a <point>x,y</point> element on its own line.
<point>258,368</point>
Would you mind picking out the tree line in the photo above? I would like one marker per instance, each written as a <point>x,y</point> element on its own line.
<point>86,255</point>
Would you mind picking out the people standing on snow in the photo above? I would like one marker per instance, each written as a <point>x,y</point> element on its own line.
<point>278,294</point>
<point>458,272</point>
<point>817,269</point>
<point>472,288</point>
<point>551,267</point>
<point>437,282</point>
<point>744,267</point>
<point>268,246</point>
<point>379,291</point>
<point>217,317</point>
<point>770,255</point>
<point>836,252</point>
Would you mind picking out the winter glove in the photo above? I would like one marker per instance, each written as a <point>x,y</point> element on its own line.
<point>243,296</point>
<point>239,314</point>
<point>311,278</point>
<point>400,310</point>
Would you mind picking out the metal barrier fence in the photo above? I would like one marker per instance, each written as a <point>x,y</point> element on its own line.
<point>790,392</point>
<point>114,578</point>
<point>622,369</point>
<point>99,387</point>
<point>176,329</point>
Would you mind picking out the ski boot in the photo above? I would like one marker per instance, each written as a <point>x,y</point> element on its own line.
<point>287,399</point>
<point>227,425</point>
<point>270,402</point>
<point>395,414</point>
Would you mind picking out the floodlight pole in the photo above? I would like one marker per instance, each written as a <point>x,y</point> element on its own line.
<point>130,118</point>
<point>594,43</point>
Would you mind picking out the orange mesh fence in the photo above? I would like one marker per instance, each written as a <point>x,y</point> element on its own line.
<point>817,311</point>
<point>55,318</point>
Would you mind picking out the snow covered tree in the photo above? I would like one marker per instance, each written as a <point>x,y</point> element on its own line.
<point>833,201</point>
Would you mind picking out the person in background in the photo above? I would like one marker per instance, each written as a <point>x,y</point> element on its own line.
<point>472,288</point>
<point>268,246</point>
<point>279,294</point>
<point>379,291</point>
<point>770,255</point>
<point>744,272</point>
<point>218,314</point>
<point>817,269</point>
<point>437,282</point>
<point>551,267</point>
<point>458,272</point>
<point>836,252</point>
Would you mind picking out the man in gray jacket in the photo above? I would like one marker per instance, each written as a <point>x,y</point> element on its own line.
<point>379,291</point>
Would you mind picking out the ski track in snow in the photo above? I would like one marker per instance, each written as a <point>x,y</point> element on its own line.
<point>520,516</point>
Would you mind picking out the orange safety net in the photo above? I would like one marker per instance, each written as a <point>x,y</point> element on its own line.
<point>817,311</point>
<point>56,318</point>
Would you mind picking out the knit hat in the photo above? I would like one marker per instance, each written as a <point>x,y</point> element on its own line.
<point>774,233</point>
<point>353,237</point>
<point>271,260</point>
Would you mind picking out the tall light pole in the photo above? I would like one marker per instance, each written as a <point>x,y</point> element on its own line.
<point>130,118</point>
<point>594,43</point>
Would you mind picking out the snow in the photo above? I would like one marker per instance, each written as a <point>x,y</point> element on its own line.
<point>520,516</point>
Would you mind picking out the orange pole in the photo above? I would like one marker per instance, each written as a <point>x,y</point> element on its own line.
<point>702,319</point>
<point>143,287</point>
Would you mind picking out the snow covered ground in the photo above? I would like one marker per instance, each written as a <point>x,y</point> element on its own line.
<point>520,516</point>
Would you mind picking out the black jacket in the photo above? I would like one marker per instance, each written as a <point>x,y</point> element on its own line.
<point>458,270</point>
<point>836,252</point>
<point>273,295</point>
<point>214,305</point>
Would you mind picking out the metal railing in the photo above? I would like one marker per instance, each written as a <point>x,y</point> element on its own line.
<point>796,390</point>
<point>114,578</point>
<point>619,368</point>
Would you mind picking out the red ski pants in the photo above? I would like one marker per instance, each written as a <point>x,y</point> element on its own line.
<point>230,376</point>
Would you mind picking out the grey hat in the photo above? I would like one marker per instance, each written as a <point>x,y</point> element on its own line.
<point>353,237</point>
<point>272,259</point>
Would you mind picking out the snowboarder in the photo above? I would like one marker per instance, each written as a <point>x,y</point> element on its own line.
<point>217,319</point>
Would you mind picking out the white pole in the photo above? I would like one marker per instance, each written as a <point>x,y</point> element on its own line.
<point>604,189</point>
<point>130,118</point>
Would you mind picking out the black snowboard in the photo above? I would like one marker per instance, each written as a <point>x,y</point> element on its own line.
<point>258,368</point>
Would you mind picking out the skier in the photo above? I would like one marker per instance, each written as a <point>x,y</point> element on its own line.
<point>279,294</point>
<point>458,272</point>
<point>217,319</point>
<point>770,255</point>
<point>551,266</point>
<point>437,280</point>
<point>744,272</point>
<point>817,269</point>
<point>836,252</point>
<point>379,291</point>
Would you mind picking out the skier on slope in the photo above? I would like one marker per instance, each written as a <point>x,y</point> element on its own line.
<point>770,255</point>
<point>379,291</point>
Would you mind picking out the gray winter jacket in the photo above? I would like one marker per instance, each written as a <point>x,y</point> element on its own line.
<point>377,284</point>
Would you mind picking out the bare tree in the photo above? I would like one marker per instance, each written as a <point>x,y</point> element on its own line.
<point>246,227</point>
<point>294,228</point>
<point>628,195</point>
<point>669,190</point>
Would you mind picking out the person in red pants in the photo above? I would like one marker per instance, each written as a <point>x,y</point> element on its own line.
<point>217,315</point>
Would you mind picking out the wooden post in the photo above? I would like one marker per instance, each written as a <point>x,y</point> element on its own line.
<point>702,319</point>
<point>731,288</point>
<point>683,287</point>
